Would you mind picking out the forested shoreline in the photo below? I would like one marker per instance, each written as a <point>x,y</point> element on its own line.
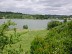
<point>16,15</point>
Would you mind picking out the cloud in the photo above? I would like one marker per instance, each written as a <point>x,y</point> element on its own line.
<point>37,6</point>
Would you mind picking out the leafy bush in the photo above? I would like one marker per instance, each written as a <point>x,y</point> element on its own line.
<point>25,27</point>
<point>38,46</point>
<point>53,24</point>
<point>65,20</point>
<point>14,50</point>
<point>5,39</point>
<point>58,41</point>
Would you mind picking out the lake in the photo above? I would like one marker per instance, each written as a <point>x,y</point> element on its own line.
<point>32,24</point>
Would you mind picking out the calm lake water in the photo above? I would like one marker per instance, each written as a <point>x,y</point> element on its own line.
<point>32,24</point>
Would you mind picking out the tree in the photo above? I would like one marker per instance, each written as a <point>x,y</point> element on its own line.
<point>25,27</point>
<point>53,24</point>
<point>65,20</point>
<point>5,40</point>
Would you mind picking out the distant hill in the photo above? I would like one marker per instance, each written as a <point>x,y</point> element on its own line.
<point>16,15</point>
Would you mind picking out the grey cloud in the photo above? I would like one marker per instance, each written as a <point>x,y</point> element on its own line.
<point>37,6</point>
<point>18,0</point>
<point>2,0</point>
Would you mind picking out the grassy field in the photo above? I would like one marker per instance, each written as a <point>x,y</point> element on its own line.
<point>27,37</point>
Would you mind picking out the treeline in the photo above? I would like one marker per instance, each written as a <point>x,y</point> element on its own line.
<point>13,15</point>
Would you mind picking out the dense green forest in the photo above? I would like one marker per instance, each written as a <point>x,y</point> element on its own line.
<point>15,15</point>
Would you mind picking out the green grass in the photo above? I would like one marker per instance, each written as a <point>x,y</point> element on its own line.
<point>27,37</point>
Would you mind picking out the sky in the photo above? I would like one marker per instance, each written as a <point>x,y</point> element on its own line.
<point>53,7</point>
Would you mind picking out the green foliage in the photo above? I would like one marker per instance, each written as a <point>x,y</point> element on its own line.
<point>65,20</point>
<point>58,41</point>
<point>25,27</point>
<point>53,24</point>
<point>38,46</point>
<point>15,51</point>
<point>13,15</point>
<point>5,39</point>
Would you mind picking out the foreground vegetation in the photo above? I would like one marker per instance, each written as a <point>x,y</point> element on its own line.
<point>26,39</point>
<point>17,41</point>
<point>57,41</point>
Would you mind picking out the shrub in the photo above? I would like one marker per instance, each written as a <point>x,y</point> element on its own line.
<point>4,39</point>
<point>53,24</point>
<point>8,40</point>
<point>65,20</point>
<point>57,41</point>
<point>38,46</point>
<point>25,27</point>
<point>11,50</point>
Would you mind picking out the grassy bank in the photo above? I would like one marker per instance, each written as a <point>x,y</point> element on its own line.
<point>27,37</point>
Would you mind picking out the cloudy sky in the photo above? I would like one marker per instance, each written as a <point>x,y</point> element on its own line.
<point>60,7</point>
